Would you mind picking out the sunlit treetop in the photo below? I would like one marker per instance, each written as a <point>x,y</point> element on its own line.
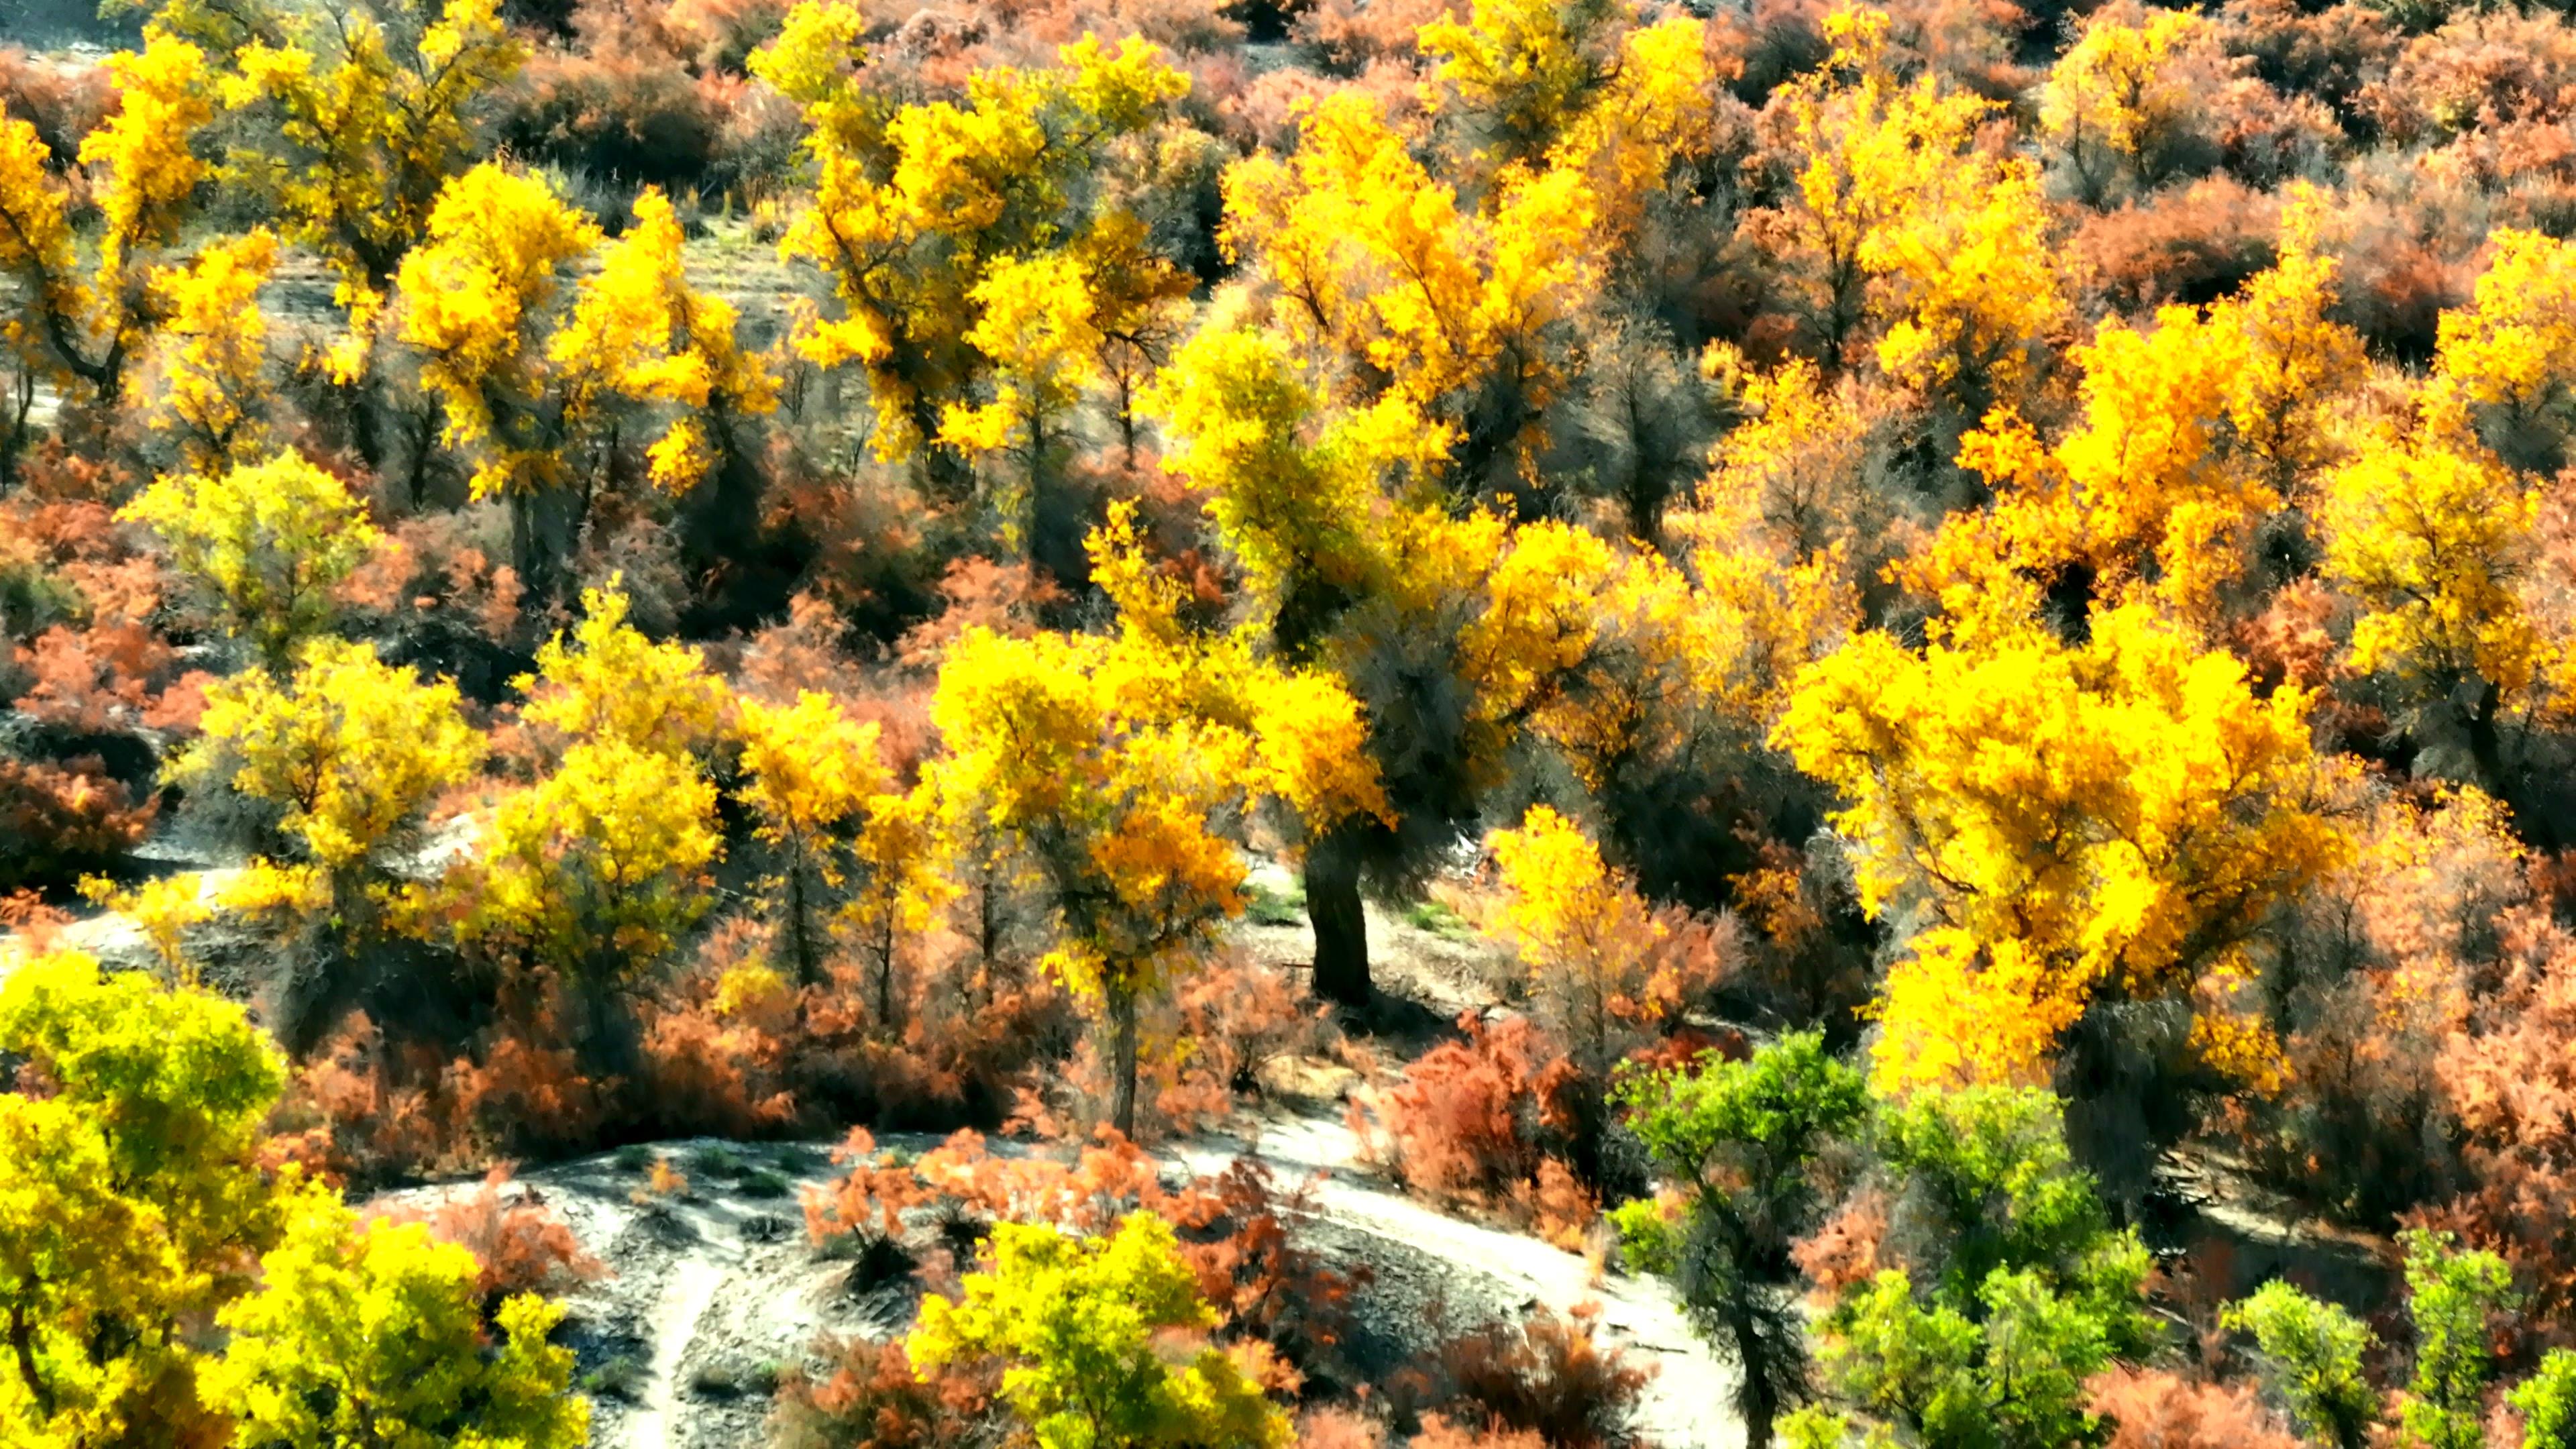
<point>606,681</point>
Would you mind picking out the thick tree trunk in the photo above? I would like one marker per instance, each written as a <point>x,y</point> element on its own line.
<point>1760,1397</point>
<point>1122,1028</point>
<point>1341,928</point>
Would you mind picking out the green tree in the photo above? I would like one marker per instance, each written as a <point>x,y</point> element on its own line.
<point>130,1195</point>
<point>2451,1295</point>
<point>1740,1138</point>
<point>2547,1402</point>
<point>2311,1353</point>
<point>1079,1325</point>
<point>373,1338</point>
<point>1985,1336</point>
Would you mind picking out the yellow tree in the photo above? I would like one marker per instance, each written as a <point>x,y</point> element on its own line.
<point>1036,326</point>
<point>2434,533</point>
<point>2070,823</point>
<point>357,124</point>
<point>1115,768</point>
<point>351,751</point>
<point>543,382</point>
<point>915,205</point>
<point>2188,437</point>
<point>1899,216</point>
<point>213,349</point>
<point>267,541</point>
<point>813,776</point>
<point>1584,937</point>
<point>605,681</point>
<point>84,327</point>
<point>2121,94</point>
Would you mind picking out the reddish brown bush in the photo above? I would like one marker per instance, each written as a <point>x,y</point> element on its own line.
<point>2331,55</point>
<point>1441,1432</point>
<point>2508,1077</point>
<point>867,1394</point>
<point>1546,1376</point>
<point>2153,1409</point>
<point>523,1245</point>
<point>58,823</point>
<point>2196,244</point>
<point>1472,1119</point>
<point>63,99</point>
<point>2481,70</point>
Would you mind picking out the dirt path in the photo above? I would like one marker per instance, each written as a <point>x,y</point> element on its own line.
<point>686,1296</point>
<point>1685,1407</point>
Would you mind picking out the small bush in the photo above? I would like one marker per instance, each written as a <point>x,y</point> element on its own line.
<point>523,1245</point>
<point>1546,1376</point>
<point>866,1394</point>
<point>2154,1409</point>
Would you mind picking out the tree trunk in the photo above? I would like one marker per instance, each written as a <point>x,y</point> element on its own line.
<point>1122,1027</point>
<point>1760,1397</point>
<point>1341,929</point>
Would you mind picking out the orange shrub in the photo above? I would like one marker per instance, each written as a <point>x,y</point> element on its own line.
<point>1473,1120</point>
<point>523,1245</point>
<point>2153,1409</point>
<point>1545,1376</point>
<point>58,823</point>
<point>867,1394</point>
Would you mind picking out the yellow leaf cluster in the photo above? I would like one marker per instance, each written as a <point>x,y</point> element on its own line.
<point>2110,817</point>
<point>268,541</point>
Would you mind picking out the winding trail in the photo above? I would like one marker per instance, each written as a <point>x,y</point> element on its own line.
<point>1688,1403</point>
<point>686,1298</point>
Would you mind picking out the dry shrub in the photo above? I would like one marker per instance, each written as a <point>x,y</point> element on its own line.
<point>1850,1248</point>
<point>1546,1375</point>
<point>1235,1227</point>
<point>1336,1427</point>
<point>868,1394</point>
<point>523,1245</point>
<point>369,1109</point>
<point>1472,1120</point>
<point>2331,55</point>
<point>63,98</point>
<point>656,95</point>
<point>2154,1409</point>
<point>2508,1078</point>
<point>2194,244</point>
<point>1441,1432</point>
<point>58,823</point>
<point>2376,972</point>
<point>2482,70</point>
<point>114,677</point>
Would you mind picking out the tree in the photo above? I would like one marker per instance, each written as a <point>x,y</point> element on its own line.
<point>143,171</point>
<point>1116,767</point>
<point>1585,939</point>
<point>361,117</point>
<point>2074,822</point>
<point>269,541</point>
<point>605,682</point>
<point>2312,1353</point>
<point>594,871</point>
<point>2118,96</point>
<point>2451,1295</point>
<point>1076,1322</point>
<point>1036,325</point>
<point>814,777</point>
<point>130,1195</point>
<point>213,345</point>
<point>1986,1335</point>
<point>373,1338</point>
<point>1740,1139</point>
<point>2547,1402</point>
<point>1897,217</point>
<point>350,749</point>
<point>916,206</point>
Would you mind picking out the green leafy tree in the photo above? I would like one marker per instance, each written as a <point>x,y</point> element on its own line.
<point>2547,1402</point>
<point>1740,1138</point>
<point>130,1197</point>
<point>2311,1353</point>
<point>1985,1337</point>
<point>373,1338</point>
<point>2451,1295</point>
<point>1079,1325</point>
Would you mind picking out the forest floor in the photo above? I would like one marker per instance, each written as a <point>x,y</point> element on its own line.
<point>712,1295</point>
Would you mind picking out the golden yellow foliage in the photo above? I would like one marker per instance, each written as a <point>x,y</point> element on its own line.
<point>2074,821</point>
<point>269,541</point>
